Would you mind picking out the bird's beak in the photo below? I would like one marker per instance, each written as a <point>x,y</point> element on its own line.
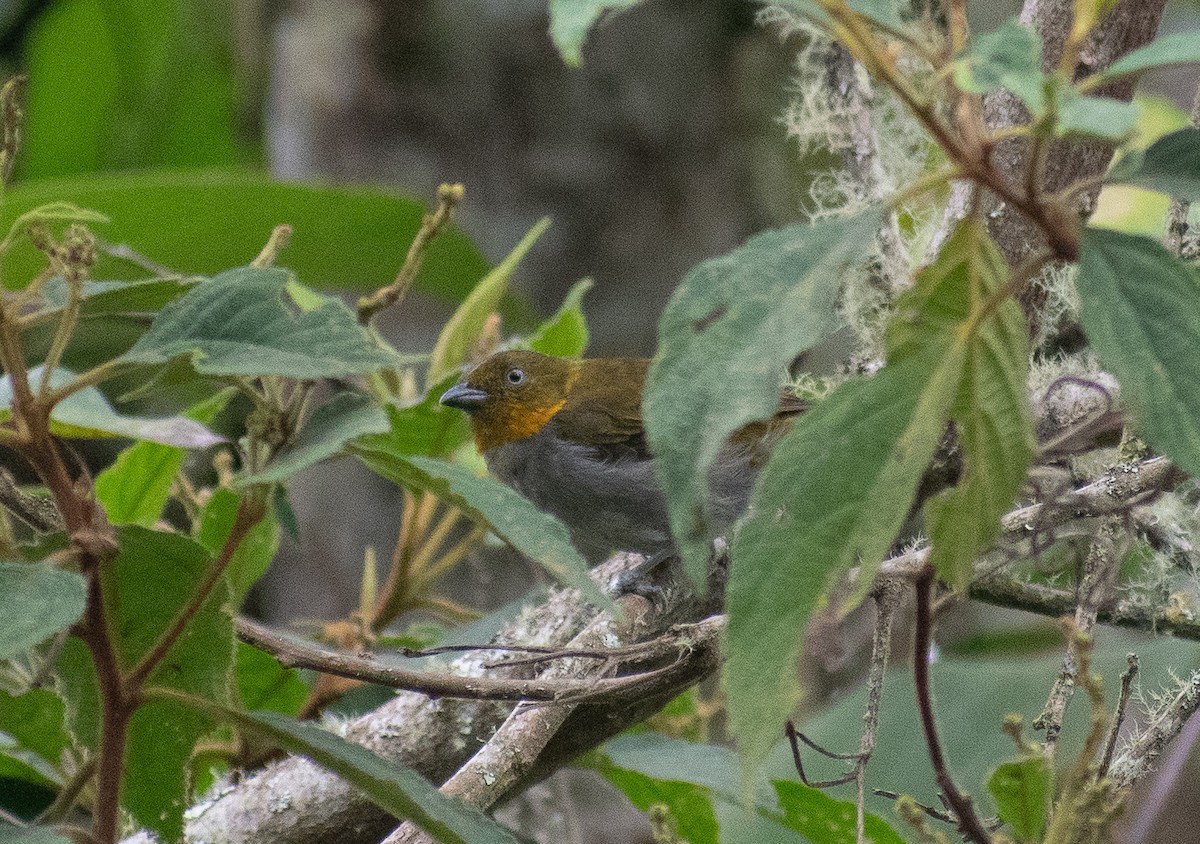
<point>464,397</point>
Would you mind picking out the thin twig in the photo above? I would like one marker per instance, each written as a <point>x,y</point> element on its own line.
<point>1118,718</point>
<point>699,642</point>
<point>11,113</point>
<point>68,794</point>
<point>968,822</point>
<point>368,306</point>
<point>1099,568</point>
<point>1136,758</point>
<point>276,243</point>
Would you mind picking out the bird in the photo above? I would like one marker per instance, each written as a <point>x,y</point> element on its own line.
<point>568,434</point>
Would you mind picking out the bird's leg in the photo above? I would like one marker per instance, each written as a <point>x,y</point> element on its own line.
<point>639,579</point>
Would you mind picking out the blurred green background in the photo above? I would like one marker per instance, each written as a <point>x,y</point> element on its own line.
<point>197,126</point>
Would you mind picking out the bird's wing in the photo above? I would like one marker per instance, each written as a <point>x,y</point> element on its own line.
<point>604,409</point>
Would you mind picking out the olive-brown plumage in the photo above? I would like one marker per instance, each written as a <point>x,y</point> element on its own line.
<point>568,435</point>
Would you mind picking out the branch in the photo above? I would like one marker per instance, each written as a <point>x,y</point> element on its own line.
<point>681,645</point>
<point>516,745</point>
<point>1132,24</point>
<point>432,223</point>
<point>1099,569</point>
<point>1137,757</point>
<point>436,737</point>
<point>1177,239</point>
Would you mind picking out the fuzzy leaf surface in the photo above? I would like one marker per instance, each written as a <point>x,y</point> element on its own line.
<point>1170,165</point>
<point>332,425</point>
<point>1009,56</point>
<point>833,496</point>
<point>948,307</point>
<point>725,340</point>
<point>36,601</point>
<point>1140,307</point>
<point>248,321</point>
<point>87,413</point>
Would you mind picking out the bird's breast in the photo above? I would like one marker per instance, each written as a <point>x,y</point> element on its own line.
<point>607,504</point>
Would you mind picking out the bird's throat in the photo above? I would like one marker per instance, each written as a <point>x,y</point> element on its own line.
<point>515,423</point>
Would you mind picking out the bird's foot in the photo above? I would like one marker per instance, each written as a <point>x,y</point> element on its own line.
<point>641,580</point>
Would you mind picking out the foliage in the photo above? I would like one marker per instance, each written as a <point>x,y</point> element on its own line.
<point>124,588</point>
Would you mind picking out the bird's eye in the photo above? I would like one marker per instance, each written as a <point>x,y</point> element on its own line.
<point>516,376</point>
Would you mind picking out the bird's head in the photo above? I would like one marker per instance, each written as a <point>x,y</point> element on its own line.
<point>512,395</point>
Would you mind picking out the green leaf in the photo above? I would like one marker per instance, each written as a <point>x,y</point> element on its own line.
<point>725,341</point>
<point>833,496</point>
<point>690,806</point>
<point>145,586</point>
<point>1009,56</point>
<point>693,780</point>
<point>153,87</point>
<point>253,556</point>
<point>1139,307</point>
<point>564,335</point>
<point>1176,48</point>
<point>426,427</point>
<point>102,298</point>
<point>332,425</point>
<point>990,411</point>
<point>245,321</point>
<point>135,488</point>
<point>397,790</point>
<point>1171,165</point>
<point>32,736</point>
<point>512,517</point>
<point>36,601</point>
<point>87,413</point>
<point>265,684</point>
<point>1021,790</point>
<point>572,20</point>
<point>1096,117</point>
<point>823,820</point>
<point>202,222</point>
<point>51,212</point>
<point>10,834</point>
<point>462,329</point>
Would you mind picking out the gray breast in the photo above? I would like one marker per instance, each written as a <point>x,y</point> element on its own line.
<point>611,504</point>
<point>608,505</point>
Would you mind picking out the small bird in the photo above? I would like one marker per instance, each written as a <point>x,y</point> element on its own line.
<point>568,435</point>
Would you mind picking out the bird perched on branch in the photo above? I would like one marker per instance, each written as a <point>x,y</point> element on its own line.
<point>568,435</point>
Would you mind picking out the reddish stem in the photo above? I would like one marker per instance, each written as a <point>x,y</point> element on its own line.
<point>968,822</point>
